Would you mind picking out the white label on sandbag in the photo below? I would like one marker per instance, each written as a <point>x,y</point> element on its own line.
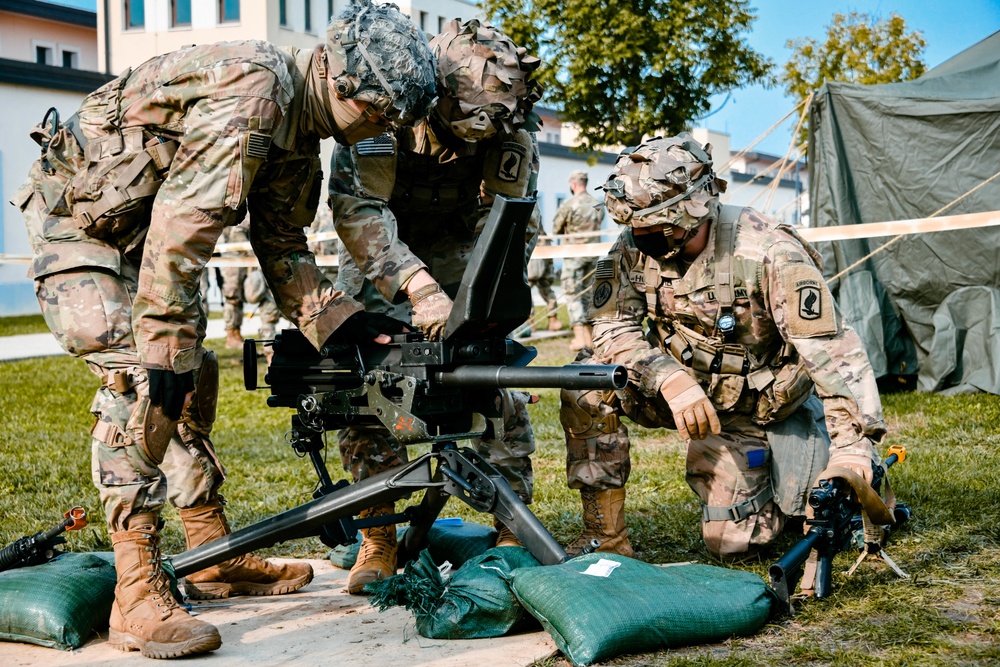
<point>602,568</point>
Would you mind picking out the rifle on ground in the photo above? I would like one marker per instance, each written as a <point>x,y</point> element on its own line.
<point>837,524</point>
<point>438,392</point>
<point>41,547</point>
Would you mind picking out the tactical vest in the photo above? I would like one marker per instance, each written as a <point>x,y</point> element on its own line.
<point>124,170</point>
<point>767,389</point>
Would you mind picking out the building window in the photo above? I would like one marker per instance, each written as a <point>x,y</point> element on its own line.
<point>70,59</point>
<point>309,15</point>
<point>282,13</point>
<point>440,24</point>
<point>44,55</point>
<point>135,14</point>
<point>229,11</point>
<point>329,10</point>
<point>552,137</point>
<point>423,21</point>
<point>180,13</point>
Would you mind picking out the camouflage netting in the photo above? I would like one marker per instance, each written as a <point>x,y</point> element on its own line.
<point>389,57</point>
<point>652,183</point>
<point>482,70</point>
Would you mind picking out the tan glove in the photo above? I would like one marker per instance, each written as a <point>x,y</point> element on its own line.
<point>431,307</point>
<point>853,461</point>
<point>694,414</point>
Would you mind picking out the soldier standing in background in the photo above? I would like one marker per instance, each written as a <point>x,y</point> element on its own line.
<point>579,213</point>
<point>124,209</point>
<point>418,200</point>
<point>542,276</point>
<point>746,356</point>
<point>242,286</point>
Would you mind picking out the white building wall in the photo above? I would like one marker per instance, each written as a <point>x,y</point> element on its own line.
<point>17,153</point>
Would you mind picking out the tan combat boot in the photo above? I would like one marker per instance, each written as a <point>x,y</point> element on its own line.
<point>234,340</point>
<point>145,617</point>
<point>244,575</point>
<point>581,337</point>
<point>554,323</point>
<point>604,521</point>
<point>505,536</point>
<point>377,557</point>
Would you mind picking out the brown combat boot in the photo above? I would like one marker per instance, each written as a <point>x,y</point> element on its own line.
<point>145,617</point>
<point>234,340</point>
<point>604,521</point>
<point>554,323</point>
<point>377,557</point>
<point>505,536</point>
<point>581,337</point>
<point>244,575</point>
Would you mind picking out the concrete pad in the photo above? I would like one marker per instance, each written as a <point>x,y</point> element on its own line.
<point>318,625</point>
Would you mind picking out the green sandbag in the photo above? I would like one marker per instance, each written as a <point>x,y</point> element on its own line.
<point>449,539</point>
<point>639,608</point>
<point>476,601</point>
<point>57,604</point>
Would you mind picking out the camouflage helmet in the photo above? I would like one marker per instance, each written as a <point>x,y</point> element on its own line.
<point>375,54</point>
<point>663,181</point>
<point>484,80</point>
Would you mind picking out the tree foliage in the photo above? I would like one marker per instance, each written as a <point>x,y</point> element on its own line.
<point>858,49</point>
<point>619,70</point>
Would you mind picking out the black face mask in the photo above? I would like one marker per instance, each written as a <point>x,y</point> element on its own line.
<point>654,245</point>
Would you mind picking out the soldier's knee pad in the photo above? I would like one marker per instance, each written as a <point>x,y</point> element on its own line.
<point>201,412</point>
<point>586,414</point>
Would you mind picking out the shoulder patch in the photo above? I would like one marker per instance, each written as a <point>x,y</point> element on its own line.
<point>602,293</point>
<point>380,145</point>
<point>512,156</point>
<point>258,144</point>
<point>809,302</point>
<point>606,268</point>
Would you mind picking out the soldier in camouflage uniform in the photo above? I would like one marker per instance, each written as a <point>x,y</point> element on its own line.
<point>124,209</point>
<point>745,355</point>
<point>417,200</point>
<point>579,213</point>
<point>542,276</point>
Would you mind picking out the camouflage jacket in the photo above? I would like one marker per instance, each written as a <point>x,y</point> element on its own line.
<point>579,213</point>
<point>234,110</point>
<point>788,335</point>
<point>394,197</point>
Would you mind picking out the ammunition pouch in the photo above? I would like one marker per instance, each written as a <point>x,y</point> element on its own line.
<point>767,393</point>
<point>114,194</point>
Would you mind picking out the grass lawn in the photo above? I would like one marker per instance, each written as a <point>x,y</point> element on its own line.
<point>947,613</point>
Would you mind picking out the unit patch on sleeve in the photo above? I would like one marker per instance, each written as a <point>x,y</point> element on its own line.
<point>511,158</point>
<point>809,302</point>
<point>602,293</point>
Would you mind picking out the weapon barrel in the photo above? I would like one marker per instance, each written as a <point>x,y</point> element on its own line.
<point>792,561</point>
<point>574,376</point>
<point>13,553</point>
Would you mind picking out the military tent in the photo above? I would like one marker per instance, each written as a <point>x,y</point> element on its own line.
<point>927,306</point>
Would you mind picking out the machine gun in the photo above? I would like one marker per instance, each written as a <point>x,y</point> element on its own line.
<point>837,524</point>
<point>42,546</point>
<point>438,392</point>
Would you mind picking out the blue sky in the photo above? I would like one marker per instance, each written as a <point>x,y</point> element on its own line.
<point>948,27</point>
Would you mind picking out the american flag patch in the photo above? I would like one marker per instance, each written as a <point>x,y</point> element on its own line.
<point>380,145</point>
<point>258,144</point>
<point>605,269</point>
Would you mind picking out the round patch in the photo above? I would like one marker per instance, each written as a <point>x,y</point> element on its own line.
<point>602,293</point>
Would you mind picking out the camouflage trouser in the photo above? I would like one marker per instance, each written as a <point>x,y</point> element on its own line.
<point>541,276</point>
<point>725,470</point>
<point>232,296</point>
<point>89,311</point>
<point>577,283</point>
<point>370,450</point>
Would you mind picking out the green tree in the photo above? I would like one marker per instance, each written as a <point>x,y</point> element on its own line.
<point>619,70</point>
<point>858,49</point>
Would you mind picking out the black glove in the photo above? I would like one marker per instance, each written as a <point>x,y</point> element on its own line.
<point>362,327</point>
<point>168,389</point>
